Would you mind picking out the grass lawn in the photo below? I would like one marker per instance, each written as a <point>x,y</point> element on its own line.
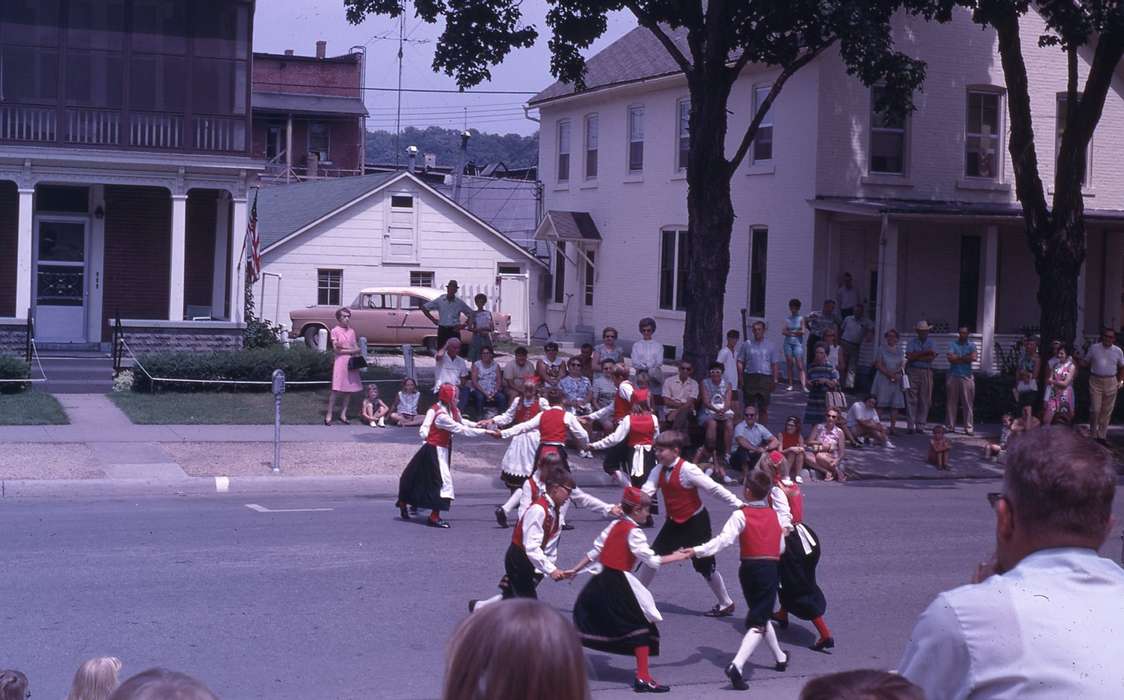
<point>31,408</point>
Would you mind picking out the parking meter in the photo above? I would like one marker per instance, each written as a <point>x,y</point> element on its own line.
<point>278,390</point>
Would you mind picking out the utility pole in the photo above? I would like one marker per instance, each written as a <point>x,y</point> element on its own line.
<point>398,116</point>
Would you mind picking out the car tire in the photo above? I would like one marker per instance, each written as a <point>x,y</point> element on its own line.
<point>309,334</point>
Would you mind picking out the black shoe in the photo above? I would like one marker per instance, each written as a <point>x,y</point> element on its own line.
<point>735,677</point>
<point>719,611</point>
<point>501,516</point>
<point>444,524</point>
<point>472,606</point>
<point>782,665</point>
<point>780,621</point>
<point>824,643</point>
<point>640,686</point>
<point>403,512</point>
<point>567,526</point>
<point>413,510</point>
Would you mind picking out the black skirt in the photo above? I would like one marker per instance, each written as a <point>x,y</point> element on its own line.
<point>609,619</point>
<point>543,447</point>
<point>759,579</point>
<point>800,594</point>
<point>420,483</point>
<point>511,481</point>
<point>617,458</point>
<point>695,531</point>
<point>520,578</point>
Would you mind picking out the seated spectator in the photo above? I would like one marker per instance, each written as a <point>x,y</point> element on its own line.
<point>604,389</point>
<point>1026,421</point>
<point>862,684</point>
<point>485,385</point>
<point>826,445</point>
<point>1042,619</point>
<point>680,395</point>
<point>374,411</point>
<point>715,416</point>
<point>517,371</point>
<point>792,446</point>
<point>13,685</point>
<point>551,663</point>
<point>95,679</point>
<point>450,368</point>
<point>585,355</point>
<point>577,389</point>
<point>550,366</point>
<point>404,412</point>
<point>993,450</point>
<point>752,440</point>
<point>939,447</point>
<point>863,423</point>
<point>162,684</point>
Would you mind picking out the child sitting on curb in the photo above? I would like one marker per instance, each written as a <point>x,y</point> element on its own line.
<point>939,448</point>
<point>374,410</point>
<point>993,450</point>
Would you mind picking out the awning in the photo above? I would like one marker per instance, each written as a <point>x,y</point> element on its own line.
<point>290,103</point>
<point>859,206</point>
<point>569,227</point>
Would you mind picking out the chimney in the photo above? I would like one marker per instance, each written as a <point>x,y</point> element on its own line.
<point>465,136</point>
<point>413,152</point>
<point>321,49</point>
<point>288,52</point>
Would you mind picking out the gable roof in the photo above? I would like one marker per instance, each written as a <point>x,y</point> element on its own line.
<point>638,55</point>
<point>287,211</point>
<point>569,226</point>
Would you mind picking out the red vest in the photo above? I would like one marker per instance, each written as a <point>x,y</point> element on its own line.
<point>438,437</point>
<point>534,489</point>
<point>616,554</point>
<point>761,538</point>
<point>682,501</point>
<point>641,429</point>
<point>795,501</point>
<point>549,525</point>
<point>552,426</point>
<point>525,413</point>
<point>621,406</point>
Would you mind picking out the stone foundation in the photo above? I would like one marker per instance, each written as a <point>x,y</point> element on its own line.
<point>182,336</point>
<point>13,336</point>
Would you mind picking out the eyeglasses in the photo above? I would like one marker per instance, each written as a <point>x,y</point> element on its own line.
<point>994,497</point>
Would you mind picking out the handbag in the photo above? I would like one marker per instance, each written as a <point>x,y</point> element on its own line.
<point>836,399</point>
<point>357,362</point>
<point>905,381</point>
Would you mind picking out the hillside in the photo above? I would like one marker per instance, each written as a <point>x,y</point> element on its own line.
<point>512,149</point>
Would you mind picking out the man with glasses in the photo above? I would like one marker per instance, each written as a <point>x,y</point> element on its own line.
<point>1043,618</point>
<point>759,363</point>
<point>680,395</point>
<point>1105,361</point>
<point>752,440</point>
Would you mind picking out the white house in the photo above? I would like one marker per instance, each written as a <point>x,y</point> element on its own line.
<point>922,212</point>
<point>323,241</point>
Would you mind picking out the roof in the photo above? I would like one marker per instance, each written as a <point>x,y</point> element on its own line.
<point>569,226</point>
<point>343,58</point>
<point>876,207</point>
<point>308,104</point>
<point>636,56</point>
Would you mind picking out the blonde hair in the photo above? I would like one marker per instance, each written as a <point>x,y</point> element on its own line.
<point>95,679</point>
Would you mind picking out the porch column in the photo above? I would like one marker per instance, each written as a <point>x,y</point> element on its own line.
<point>1082,281</point>
<point>887,276</point>
<point>989,305</point>
<point>237,284</point>
<point>179,246</point>
<point>1113,278</point>
<point>222,243</point>
<point>25,235</point>
<point>288,148</point>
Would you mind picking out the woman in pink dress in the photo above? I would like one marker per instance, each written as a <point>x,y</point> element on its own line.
<point>344,380</point>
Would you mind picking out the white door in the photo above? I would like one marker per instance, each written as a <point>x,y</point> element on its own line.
<point>61,246</point>
<point>515,299</point>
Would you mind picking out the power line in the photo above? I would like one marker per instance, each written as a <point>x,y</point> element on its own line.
<point>427,90</point>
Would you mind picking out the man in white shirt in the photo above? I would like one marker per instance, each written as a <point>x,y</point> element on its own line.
<point>680,396</point>
<point>451,368</point>
<point>728,356</point>
<point>752,439</point>
<point>1105,361</point>
<point>1043,622</point>
<point>847,295</point>
<point>863,422</point>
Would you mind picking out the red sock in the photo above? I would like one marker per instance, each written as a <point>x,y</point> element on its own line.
<point>781,614</point>
<point>434,515</point>
<point>821,627</point>
<point>642,663</point>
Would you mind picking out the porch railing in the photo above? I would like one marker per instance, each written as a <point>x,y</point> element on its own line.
<point>155,130</point>
<point>28,123</point>
<point>224,134</point>
<point>93,127</point>
<point>118,349</point>
<point>30,337</point>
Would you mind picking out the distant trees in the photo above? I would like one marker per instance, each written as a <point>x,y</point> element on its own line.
<point>511,149</point>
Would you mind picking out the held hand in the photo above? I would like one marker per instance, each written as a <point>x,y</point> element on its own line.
<point>616,511</point>
<point>495,433</point>
<point>558,575</point>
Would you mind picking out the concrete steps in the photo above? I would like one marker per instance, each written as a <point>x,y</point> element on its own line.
<point>70,372</point>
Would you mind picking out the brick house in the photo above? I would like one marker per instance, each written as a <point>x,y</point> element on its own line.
<point>124,164</point>
<point>923,212</point>
<point>309,117</point>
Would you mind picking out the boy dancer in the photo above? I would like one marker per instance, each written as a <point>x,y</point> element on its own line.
<point>638,432</point>
<point>522,499</point>
<point>757,529</point>
<point>688,522</point>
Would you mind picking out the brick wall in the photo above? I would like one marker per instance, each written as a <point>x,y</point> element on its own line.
<point>138,226</point>
<point>9,216</point>
<point>199,260</point>
<point>13,339</point>
<point>142,340</point>
<point>344,141</point>
<point>333,76</point>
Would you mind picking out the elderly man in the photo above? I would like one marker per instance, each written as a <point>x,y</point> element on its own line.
<point>919,355</point>
<point>449,309</point>
<point>960,385</point>
<point>759,363</point>
<point>1105,361</point>
<point>518,371</point>
<point>1043,620</point>
<point>451,368</point>
<point>751,441</point>
<point>680,396</point>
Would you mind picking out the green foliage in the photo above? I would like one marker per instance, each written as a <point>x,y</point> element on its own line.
<point>512,150</point>
<point>13,368</point>
<point>299,364</point>
<point>258,333</point>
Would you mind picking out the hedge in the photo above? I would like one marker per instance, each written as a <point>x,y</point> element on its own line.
<point>13,368</point>
<point>298,362</point>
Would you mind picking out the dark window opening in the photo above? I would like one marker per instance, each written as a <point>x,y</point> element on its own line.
<point>758,261</point>
<point>969,282</point>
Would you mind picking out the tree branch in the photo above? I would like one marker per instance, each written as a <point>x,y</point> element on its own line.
<point>763,108</point>
<point>653,26</point>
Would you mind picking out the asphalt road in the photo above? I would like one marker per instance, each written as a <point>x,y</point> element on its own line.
<point>352,603</point>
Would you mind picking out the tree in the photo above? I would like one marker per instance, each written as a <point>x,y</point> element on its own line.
<point>722,37</point>
<point>1055,231</point>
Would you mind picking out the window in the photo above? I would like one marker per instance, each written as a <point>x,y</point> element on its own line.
<point>559,272</point>
<point>591,125</point>
<point>635,139</point>
<point>981,135</point>
<point>421,279</point>
<point>969,282</point>
<point>590,276</point>
<point>684,140</point>
<point>1060,122</point>
<point>758,261</point>
<point>763,139</point>
<point>508,269</point>
<point>379,301</point>
<point>320,140</point>
<point>564,150</point>
<point>219,87</point>
<point>674,253</point>
<point>402,201</point>
<point>328,285</point>
<point>887,138</point>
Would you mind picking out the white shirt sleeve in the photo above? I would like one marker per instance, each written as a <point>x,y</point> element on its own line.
<point>652,484</point>
<point>691,475</point>
<point>581,499</point>
<point>525,496</point>
<point>613,438</point>
<point>638,543</point>
<point>464,427</point>
<point>423,431</point>
<point>602,412</point>
<point>576,427</point>
<point>533,539</point>
<point>508,416</point>
<point>625,391</point>
<point>730,532</point>
<point>524,427</point>
<point>936,657</point>
<point>784,512</point>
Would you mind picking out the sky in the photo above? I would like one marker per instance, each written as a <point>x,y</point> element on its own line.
<point>298,24</point>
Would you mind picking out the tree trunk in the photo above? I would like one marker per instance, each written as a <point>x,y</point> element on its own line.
<point>1058,261</point>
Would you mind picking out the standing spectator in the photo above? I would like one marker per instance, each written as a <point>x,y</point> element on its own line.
<point>817,322</point>
<point>823,378</point>
<point>1059,388</point>
<point>847,296</point>
<point>95,679</point>
<point>752,440</point>
<point>486,387</point>
<point>960,386</point>
<point>647,356</point>
<point>162,684</point>
<point>1042,619</point>
<point>826,445</point>
<point>608,349</point>
<point>450,368</point>
<point>728,356</point>
<point>1028,364</point>
<point>862,422</point>
<point>449,310</point>
<point>919,354</point>
<point>345,379</point>
<point>834,351</point>
<point>517,371</point>
<point>715,415</point>
<point>13,685</point>
<point>794,331</point>
<point>1106,365</point>
<point>889,364</point>
<point>550,366</point>
<point>759,363</point>
<point>856,329</point>
<point>482,325</point>
<point>680,396</point>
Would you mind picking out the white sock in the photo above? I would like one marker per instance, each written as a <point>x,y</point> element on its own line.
<point>771,641</point>
<point>645,575</point>
<point>511,505</point>
<point>719,587</point>
<point>749,643</point>
<point>488,601</point>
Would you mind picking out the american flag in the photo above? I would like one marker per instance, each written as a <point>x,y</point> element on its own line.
<point>255,242</point>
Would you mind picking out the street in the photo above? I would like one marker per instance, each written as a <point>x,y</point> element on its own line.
<point>352,603</point>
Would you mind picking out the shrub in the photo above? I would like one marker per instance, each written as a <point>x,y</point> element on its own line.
<point>13,368</point>
<point>260,333</point>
